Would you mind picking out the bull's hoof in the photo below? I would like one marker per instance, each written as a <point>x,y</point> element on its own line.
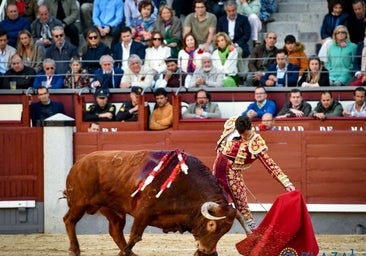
<point>130,253</point>
<point>198,253</point>
<point>71,253</point>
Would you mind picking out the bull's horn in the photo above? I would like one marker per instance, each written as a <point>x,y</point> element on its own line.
<point>206,207</point>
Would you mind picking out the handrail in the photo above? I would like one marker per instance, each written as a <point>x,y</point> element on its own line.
<point>2,9</point>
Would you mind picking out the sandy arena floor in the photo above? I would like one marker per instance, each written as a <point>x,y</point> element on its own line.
<point>157,245</point>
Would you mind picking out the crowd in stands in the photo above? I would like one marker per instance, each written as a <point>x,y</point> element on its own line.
<point>155,32</point>
<point>147,43</point>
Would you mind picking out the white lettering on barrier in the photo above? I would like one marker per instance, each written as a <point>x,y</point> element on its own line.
<point>356,129</point>
<point>326,128</point>
<point>290,128</point>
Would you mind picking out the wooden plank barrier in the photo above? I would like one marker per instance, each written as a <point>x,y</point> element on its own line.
<point>328,169</point>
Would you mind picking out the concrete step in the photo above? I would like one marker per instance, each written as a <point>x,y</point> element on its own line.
<point>282,27</point>
<point>301,7</point>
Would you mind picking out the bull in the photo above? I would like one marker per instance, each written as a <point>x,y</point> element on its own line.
<point>110,182</point>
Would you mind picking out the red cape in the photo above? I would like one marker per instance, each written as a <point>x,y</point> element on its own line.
<point>285,230</point>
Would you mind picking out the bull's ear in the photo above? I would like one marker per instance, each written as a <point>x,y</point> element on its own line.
<point>211,226</point>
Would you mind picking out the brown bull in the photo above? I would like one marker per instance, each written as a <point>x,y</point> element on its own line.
<point>108,181</point>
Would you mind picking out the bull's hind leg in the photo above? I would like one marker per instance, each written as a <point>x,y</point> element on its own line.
<point>116,225</point>
<point>70,219</point>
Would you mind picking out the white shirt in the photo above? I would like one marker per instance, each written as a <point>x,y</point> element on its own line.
<point>125,55</point>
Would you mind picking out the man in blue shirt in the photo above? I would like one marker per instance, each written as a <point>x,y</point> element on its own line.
<point>261,105</point>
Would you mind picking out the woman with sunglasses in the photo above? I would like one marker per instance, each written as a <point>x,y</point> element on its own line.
<point>49,78</point>
<point>93,50</point>
<point>76,77</point>
<point>157,53</point>
<point>335,16</point>
<point>30,53</point>
<point>340,57</point>
<point>171,27</point>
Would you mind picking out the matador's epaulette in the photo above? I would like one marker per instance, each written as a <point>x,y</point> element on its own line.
<point>229,128</point>
<point>257,144</point>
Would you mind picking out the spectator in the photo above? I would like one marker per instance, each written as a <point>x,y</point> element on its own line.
<point>295,107</point>
<point>315,75</point>
<point>143,26</point>
<point>171,27</point>
<point>281,74</point>
<point>93,50</point>
<point>203,107</point>
<point>136,74</point>
<point>94,127</point>
<point>267,123</point>
<point>31,54</point>
<point>336,16</point>
<point>207,74</point>
<point>49,77</point>
<point>237,27</point>
<point>21,74</point>
<point>173,76</point>
<point>61,50</point>
<point>261,105</point>
<point>156,53</point>
<point>267,8</point>
<point>358,107</point>
<point>76,77</point>
<point>131,11</point>
<point>101,109</point>
<point>162,115</point>
<point>45,107</point>
<point>129,110</point>
<point>26,8</point>
<point>340,57</point>
<point>86,13</point>
<point>296,53</point>
<point>225,59</point>
<point>201,24</point>
<point>107,76</point>
<point>327,107</point>
<point>6,51</point>
<point>217,8</point>
<point>189,56</point>
<point>67,12</point>
<point>182,7</point>
<point>251,9</point>
<point>122,51</point>
<point>41,28</point>
<point>356,21</point>
<point>359,63</point>
<point>13,23</point>
<point>234,155</point>
<point>107,17</point>
<point>261,58</point>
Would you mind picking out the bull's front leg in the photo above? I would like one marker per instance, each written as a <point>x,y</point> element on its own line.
<point>137,229</point>
<point>116,225</point>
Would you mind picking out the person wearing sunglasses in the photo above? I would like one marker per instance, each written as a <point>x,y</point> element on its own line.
<point>93,50</point>
<point>49,78</point>
<point>340,57</point>
<point>156,53</point>
<point>61,50</point>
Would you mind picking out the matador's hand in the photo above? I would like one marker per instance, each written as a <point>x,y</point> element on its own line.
<point>290,188</point>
